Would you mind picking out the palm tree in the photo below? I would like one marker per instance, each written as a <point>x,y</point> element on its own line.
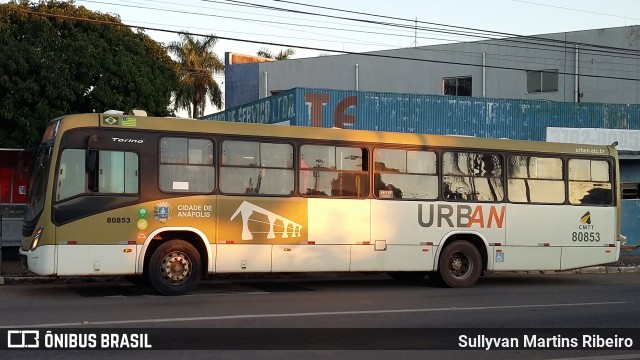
<point>197,65</point>
<point>282,55</point>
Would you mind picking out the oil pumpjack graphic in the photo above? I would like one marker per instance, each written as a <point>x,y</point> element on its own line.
<point>246,209</point>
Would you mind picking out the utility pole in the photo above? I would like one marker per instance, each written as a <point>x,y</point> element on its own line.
<point>415,34</point>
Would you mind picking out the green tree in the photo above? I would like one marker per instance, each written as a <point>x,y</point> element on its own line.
<point>197,65</point>
<point>61,63</point>
<point>282,55</point>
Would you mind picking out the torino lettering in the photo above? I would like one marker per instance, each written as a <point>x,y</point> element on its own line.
<point>440,215</point>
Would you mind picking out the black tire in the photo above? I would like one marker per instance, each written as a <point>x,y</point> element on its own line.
<point>459,265</point>
<point>408,276</point>
<point>174,268</point>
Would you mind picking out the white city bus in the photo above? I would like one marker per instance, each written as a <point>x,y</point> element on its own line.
<point>171,200</point>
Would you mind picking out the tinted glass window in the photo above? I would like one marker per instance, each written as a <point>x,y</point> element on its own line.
<point>401,174</point>
<point>590,182</point>
<point>256,168</point>
<point>105,172</point>
<point>186,165</point>
<point>535,179</point>
<point>472,176</point>
<point>333,171</point>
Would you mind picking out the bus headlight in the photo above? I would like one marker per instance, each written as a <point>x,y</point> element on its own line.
<point>36,238</point>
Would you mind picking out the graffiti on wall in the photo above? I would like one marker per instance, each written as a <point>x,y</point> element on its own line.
<point>271,110</point>
<point>318,103</point>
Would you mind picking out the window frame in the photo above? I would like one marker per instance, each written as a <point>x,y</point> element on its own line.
<point>477,151</point>
<point>364,170</point>
<point>186,164</point>
<point>259,141</point>
<point>95,178</point>
<point>611,181</point>
<point>562,178</point>
<point>457,85</point>
<point>540,74</point>
<point>435,174</point>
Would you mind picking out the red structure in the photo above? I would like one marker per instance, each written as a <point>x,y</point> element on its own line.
<point>14,167</point>
<point>14,171</point>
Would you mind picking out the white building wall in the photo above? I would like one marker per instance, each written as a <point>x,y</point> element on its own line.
<point>506,60</point>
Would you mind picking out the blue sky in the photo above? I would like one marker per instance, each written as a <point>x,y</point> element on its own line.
<point>236,19</point>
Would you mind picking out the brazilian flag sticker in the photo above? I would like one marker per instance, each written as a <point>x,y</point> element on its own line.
<point>111,120</point>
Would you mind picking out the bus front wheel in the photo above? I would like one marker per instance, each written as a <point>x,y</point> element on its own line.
<point>459,265</point>
<point>174,268</point>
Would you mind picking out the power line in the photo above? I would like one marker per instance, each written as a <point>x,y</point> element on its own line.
<point>102,22</point>
<point>508,35</point>
<point>502,57</point>
<point>245,4</point>
<point>521,59</point>
<point>578,10</point>
<point>564,47</point>
<point>261,21</point>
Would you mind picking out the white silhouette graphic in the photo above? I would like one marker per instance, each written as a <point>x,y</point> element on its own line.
<point>246,209</point>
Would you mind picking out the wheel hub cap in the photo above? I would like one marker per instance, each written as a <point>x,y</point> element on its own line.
<point>176,267</point>
<point>459,265</point>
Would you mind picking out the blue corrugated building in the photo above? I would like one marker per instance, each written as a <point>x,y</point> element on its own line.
<point>430,114</point>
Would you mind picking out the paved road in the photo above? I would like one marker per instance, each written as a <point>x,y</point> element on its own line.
<point>370,304</point>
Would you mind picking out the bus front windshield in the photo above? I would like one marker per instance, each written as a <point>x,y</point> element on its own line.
<point>38,175</point>
<point>38,183</point>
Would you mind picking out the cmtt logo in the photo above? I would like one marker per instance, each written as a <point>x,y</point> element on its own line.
<point>21,339</point>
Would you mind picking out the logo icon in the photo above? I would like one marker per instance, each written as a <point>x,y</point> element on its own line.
<point>246,209</point>
<point>586,218</point>
<point>162,211</point>
<point>142,213</point>
<point>21,339</point>
<point>142,224</point>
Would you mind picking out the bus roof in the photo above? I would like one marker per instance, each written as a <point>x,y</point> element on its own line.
<point>192,126</point>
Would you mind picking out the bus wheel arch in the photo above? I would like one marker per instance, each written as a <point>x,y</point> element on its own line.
<point>461,261</point>
<point>175,261</point>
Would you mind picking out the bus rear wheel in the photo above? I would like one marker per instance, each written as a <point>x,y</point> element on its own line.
<point>174,268</point>
<point>459,265</point>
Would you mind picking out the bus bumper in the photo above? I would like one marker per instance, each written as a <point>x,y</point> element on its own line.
<point>40,261</point>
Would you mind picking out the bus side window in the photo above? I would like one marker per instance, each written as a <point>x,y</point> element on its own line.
<point>533,179</point>
<point>257,168</point>
<point>402,174</point>
<point>590,182</point>
<point>186,165</point>
<point>118,172</point>
<point>332,171</point>
<point>104,172</point>
<point>472,176</point>
<point>71,174</point>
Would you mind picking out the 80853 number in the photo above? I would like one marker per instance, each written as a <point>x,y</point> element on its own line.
<point>118,220</point>
<point>585,236</point>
